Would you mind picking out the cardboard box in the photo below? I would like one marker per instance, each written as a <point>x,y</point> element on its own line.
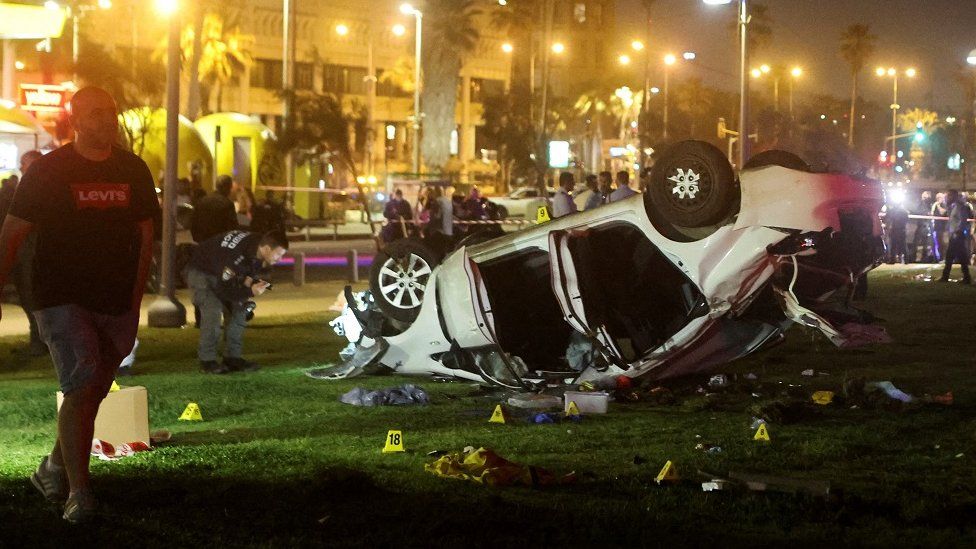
<point>123,416</point>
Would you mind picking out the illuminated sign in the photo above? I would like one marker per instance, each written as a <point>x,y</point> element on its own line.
<point>42,98</point>
<point>559,154</point>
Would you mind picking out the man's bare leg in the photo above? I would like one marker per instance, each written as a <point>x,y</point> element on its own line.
<point>76,427</point>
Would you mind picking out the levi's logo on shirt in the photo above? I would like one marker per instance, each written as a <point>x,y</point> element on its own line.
<point>100,196</point>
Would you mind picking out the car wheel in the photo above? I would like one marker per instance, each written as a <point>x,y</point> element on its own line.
<point>692,185</point>
<point>777,158</point>
<point>502,212</point>
<point>398,278</point>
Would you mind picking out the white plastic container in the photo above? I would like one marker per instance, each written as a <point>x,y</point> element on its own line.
<point>587,403</point>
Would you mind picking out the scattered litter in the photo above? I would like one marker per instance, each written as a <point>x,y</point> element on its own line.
<point>106,451</point>
<point>551,417</point>
<point>394,442</point>
<point>763,483</point>
<point>959,455</point>
<point>324,519</point>
<point>160,436</point>
<point>714,485</point>
<point>484,466</point>
<point>436,453</point>
<point>823,398</point>
<point>708,448</point>
<point>533,401</point>
<point>669,474</point>
<point>945,399</point>
<point>807,373</point>
<point>718,381</point>
<point>756,422</point>
<point>890,390</point>
<point>395,396</point>
<point>751,376</point>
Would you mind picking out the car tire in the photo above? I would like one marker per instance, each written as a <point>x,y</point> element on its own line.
<point>777,157</point>
<point>692,185</point>
<point>399,277</point>
<point>502,212</point>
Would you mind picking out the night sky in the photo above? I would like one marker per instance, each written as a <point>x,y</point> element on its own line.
<point>934,36</point>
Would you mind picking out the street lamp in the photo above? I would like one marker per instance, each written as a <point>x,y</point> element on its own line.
<point>558,47</point>
<point>893,73</point>
<point>167,311</point>
<point>971,59</point>
<point>669,60</point>
<point>743,21</point>
<point>764,70</point>
<point>407,9</point>
<point>624,59</point>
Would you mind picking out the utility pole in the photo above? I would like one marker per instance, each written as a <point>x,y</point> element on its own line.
<point>288,83</point>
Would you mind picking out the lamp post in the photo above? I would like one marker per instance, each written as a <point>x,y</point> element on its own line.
<point>76,11</point>
<point>167,311</point>
<point>795,73</point>
<point>407,9</point>
<point>893,73</point>
<point>743,21</point>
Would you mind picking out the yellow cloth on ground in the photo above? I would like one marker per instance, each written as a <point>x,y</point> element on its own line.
<point>484,466</point>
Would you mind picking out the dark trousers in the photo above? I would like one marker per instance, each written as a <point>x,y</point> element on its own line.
<point>957,252</point>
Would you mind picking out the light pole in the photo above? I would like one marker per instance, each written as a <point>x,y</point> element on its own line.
<point>893,73</point>
<point>743,21</point>
<point>76,11</point>
<point>669,60</point>
<point>167,311</point>
<point>795,73</point>
<point>407,9</point>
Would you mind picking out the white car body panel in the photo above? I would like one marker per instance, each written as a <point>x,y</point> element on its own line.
<point>728,267</point>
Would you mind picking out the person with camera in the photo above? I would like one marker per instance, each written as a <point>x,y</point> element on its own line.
<point>226,271</point>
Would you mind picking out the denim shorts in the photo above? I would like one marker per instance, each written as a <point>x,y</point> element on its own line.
<point>82,342</point>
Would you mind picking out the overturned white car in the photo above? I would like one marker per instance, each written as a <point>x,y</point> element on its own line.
<point>703,268</point>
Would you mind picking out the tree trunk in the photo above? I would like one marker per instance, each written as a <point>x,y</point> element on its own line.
<point>439,96</point>
<point>206,90</point>
<point>193,92</point>
<point>850,131</point>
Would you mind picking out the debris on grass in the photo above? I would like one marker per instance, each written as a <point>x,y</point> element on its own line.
<point>534,401</point>
<point>823,398</point>
<point>395,396</point>
<point>890,390</point>
<point>767,483</point>
<point>484,466</point>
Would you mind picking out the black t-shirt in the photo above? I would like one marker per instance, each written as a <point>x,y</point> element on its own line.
<point>212,215</point>
<point>85,214</point>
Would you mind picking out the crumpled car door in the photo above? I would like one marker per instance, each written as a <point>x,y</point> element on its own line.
<point>568,282</point>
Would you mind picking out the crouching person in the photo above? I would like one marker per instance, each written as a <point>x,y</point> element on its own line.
<point>225,273</point>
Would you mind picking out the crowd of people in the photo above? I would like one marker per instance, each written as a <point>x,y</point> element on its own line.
<point>931,229</point>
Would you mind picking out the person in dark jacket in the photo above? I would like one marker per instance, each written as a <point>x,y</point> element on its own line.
<point>397,212</point>
<point>268,215</point>
<point>214,214</point>
<point>226,272</point>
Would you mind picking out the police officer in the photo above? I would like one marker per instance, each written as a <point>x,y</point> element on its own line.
<point>226,271</point>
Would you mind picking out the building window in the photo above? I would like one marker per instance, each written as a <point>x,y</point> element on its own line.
<point>341,79</point>
<point>579,12</point>
<point>266,73</point>
<point>304,76</point>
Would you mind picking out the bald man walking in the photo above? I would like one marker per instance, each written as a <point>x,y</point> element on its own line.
<point>91,206</point>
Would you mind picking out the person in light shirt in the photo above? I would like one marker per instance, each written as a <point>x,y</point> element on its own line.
<point>623,187</point>
<point>562,201</point>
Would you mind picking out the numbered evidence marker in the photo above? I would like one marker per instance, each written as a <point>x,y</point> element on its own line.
<point>498,416</point>
<point>761,433</point>
<point>115,387</point>
<point>669,473</point>
<point>572,409</point>
<point>394,442</point>
<point>192,413</point>
<point>542,214</point>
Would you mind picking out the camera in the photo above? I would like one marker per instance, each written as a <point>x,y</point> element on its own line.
<point>249,307</point>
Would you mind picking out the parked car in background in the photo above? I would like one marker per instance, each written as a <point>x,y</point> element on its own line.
<point>522,202</point>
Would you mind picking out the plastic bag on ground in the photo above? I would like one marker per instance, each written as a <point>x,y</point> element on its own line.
<point>395,396</point>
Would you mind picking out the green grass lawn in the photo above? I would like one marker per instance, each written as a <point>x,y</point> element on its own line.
<point>279,461</point>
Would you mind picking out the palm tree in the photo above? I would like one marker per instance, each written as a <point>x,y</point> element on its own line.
<point>223,56</point>
<point>856,46</point>
<point>229,14</point>
<point>450,35</point>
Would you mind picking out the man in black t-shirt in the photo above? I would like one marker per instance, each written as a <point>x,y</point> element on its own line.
<point>225,273</point>
<point>91,206</point>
